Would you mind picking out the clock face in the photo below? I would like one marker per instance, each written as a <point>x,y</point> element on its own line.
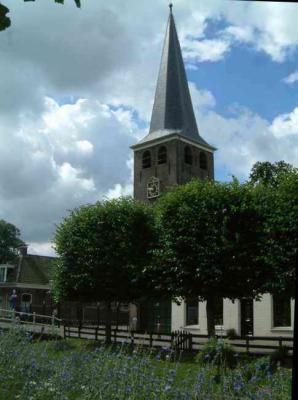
<point>152,187</point>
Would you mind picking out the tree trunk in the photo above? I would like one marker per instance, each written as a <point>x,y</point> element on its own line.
<point>108,327</point>
<point>210,316</point>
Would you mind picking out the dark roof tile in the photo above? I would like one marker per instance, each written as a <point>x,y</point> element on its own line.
<point>172,109</point>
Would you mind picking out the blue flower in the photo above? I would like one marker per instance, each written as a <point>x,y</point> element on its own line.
<point>238,386</point>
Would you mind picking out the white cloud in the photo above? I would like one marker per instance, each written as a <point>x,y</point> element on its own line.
<point>243,34</point>
<point>292,78</point>
<point>286,125</point>
<point>71,155</point>
<point>205,50</point>
<point>45,249</point>
<point>84,146</point>
<point>119,190</point>
<point>70,176</point>
<point>56,156</point>
<point>202,99</point>
<point>244,137</point>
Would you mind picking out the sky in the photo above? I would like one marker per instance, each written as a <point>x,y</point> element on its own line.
<point>77,89</point>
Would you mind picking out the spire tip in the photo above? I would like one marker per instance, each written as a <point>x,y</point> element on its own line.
<point>171,7</point>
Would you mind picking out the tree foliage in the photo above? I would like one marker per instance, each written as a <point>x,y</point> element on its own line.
<point>276,199</point>
<point>103,251</point>
<point>5,21</point>
<point>229,240</point>
<point>269,174</point>
<point>9,242</point>
<point>211,242</point>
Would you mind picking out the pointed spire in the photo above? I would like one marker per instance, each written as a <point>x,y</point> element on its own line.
<point>173,110</point>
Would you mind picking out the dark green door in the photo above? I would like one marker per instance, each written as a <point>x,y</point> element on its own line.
<point>155,316</point>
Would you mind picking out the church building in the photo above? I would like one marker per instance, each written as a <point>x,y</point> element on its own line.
<point>173,153</point>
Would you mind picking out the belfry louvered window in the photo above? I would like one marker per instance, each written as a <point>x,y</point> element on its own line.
<point>146,160</point>
<point>162,155</point>
<point>203,160</point>
<point>187,155</point>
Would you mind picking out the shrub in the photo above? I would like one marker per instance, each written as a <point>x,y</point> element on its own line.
<point>61,345</point>
<point>33,370</point>
<point>217,352</point>
<point>280,356</point>
<point>257,369</point>
<point>232,334</point>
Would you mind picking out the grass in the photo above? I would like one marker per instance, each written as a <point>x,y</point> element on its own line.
<point>83,370</point>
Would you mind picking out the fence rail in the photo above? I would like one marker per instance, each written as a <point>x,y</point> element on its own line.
<point>179,340</point>
<point>28,318</point>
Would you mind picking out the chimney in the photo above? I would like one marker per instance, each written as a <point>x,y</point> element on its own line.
<point>23,249</point>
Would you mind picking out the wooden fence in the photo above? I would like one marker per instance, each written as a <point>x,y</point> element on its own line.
<point>179,340</point>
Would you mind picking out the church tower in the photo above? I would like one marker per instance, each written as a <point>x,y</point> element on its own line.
<point>173,152</point>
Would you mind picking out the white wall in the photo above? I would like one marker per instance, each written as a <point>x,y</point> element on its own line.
<point>178,316</point>
<point>231,315</point>
<point>263,318</point>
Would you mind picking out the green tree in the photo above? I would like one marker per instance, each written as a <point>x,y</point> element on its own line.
<point>103,251</point>
<point>9,242</point>
<point>211,236</point>
<point>5,20</point>
<point>277,200</point>
<point>269,174</point>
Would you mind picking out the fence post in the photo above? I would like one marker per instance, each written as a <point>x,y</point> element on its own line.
<point>79,330</point>
<point>280,342</point>
<point>96,333</point>
<point>247,344</point>
<point>53,319</point>
<point>150,339</point>
<point>34,317</point>
<point>115,335</point>
<point>132,337</point>
<point>190,341</point>
<point>64,331</point>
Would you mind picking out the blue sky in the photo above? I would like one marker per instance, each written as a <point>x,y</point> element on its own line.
<point>79,88</point>
<point>251,79</point>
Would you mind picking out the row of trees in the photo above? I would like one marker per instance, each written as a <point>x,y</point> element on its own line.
<point>200,240</point>
<point>10,241</point>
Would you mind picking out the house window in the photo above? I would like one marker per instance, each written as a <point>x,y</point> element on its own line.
<point>26,301</point>
<point>162,155</point>
<point>203,160</point>
<point>188,155</point>
<point>146,161</point>
<point>6,273</point>
<point>192,312</point>
<point>218,311</point>
<point>281,310</point>
<point>3,274</point>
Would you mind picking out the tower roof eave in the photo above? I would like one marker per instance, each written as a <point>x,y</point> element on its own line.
<point>166,134</point>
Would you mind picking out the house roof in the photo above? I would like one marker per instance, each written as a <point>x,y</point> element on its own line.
<point>35,269</point>
<point>32,270</point>
<point>172,110</point>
